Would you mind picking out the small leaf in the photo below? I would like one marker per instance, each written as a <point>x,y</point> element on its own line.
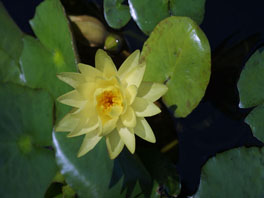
<point>116,14</point>
<point>177,53</point>
<point>27,166</point>
<point>190,8</point>
<point>251,92</point>
<point>251,81</point>
<point>256,121</point>
<point>148,13</point>
<point>234,173</point>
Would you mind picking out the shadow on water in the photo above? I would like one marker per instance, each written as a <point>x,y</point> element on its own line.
<point>136,178</point>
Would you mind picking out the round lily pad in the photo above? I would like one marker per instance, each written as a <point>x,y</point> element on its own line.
<point>27,165</point>
<point>177,53</point>
<point>116,14</point>
<point>232,174</point>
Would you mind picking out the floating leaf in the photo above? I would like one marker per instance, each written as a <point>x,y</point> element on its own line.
<point>235,173</point>
<point>26,165</point>
<point>177,53</point>
<point>53,53</point>
<point>10,48</point>
<point>148,13</point>
<point>251,92</point>
<point>256,121</point>
<point>116,14</point>
<point>251,82</point>
<point>95,175</point>
<point>190,8</point>
<point>51,26</point>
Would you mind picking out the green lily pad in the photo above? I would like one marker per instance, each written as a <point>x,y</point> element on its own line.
<point>191,8</point>
<point>53,53</point>
<point>251,81</point>
<point>26,165</point>
<point>177,53</point>
<point>256,121</point>
<point>51,26</point>
<point>10,48</point>
<point>95,174</point>
<point>148,13</point>
<point>251,92</point>
<point>234,173</point>
<point>116,14</point>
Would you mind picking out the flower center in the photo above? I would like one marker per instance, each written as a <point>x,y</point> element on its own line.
<point>107,99</point>
<point>110,103</point>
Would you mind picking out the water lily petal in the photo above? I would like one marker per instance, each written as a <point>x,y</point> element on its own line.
<point>131,93</point>
<point>89,142</point>
<point>109,126</point>
<point>129,64</point>
<point>115,111</point>
<point>71,78</point>
<point>67,123</point>
<point>129,118</point>
<point>86,90</point>
<point>151,91</point>
<point>72,98</point>
<point>144,131</point>
<point>135,76</point>
<point>104,63</point>
<point>85,125</point>
<point>114,144</point>
<point>89,72</point>
<point>144,108</point>
<point>128,137</point>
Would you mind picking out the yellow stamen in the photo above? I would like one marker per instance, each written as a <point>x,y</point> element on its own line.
<point>108,99</point>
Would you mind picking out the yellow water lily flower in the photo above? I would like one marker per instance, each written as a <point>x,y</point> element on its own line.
<point>110,103</point>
